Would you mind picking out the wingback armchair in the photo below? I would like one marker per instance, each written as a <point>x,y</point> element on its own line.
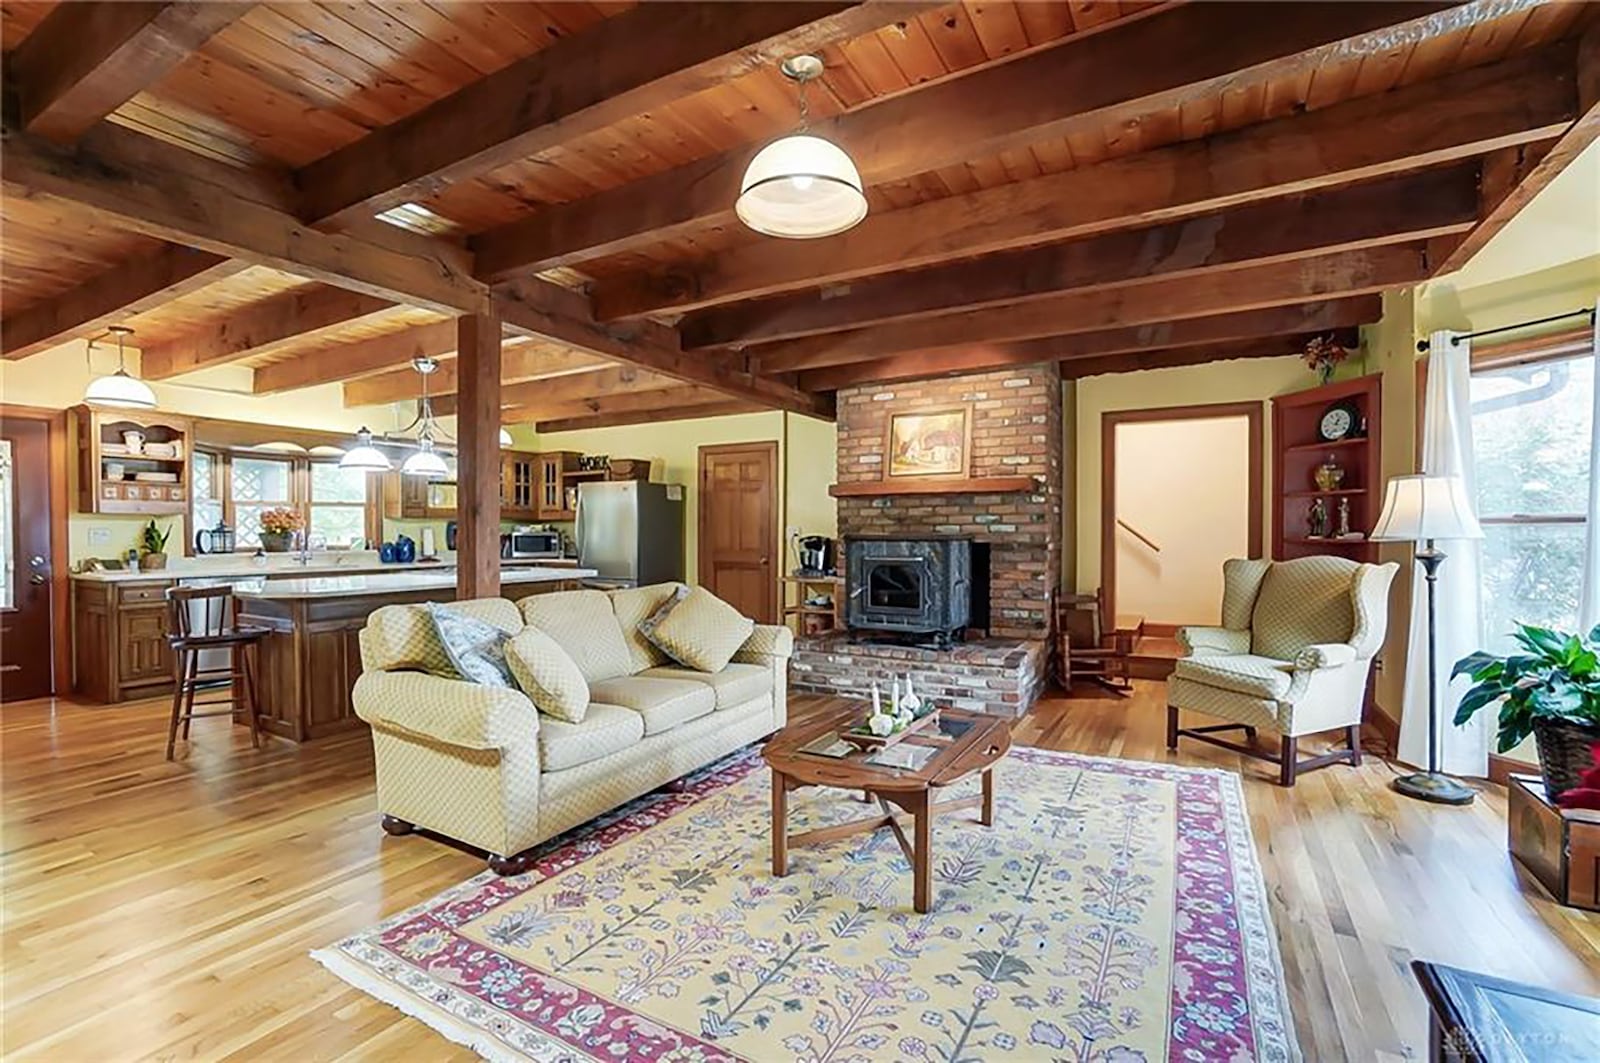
<point>1292,655</point>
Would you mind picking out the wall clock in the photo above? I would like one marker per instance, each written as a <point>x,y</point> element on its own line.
<point>1340,421</point>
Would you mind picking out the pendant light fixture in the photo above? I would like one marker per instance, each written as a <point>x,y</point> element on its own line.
<point>426,461</point>
<point>801,186</point>
<point>505,438</point>
<point>118,389</point>
<point>364,456</point>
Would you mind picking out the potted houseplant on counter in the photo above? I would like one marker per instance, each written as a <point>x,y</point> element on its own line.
<point>153,546</point>
<point>1551,690</point>
<point>277,529</point>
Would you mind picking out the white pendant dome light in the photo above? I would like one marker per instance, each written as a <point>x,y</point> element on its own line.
<point>364,455</point>
<point>505,438</point>
<point>801,186</point>
<point>426,461</point>
<point>119,389</point>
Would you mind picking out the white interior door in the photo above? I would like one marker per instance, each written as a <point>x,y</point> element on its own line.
<point>1185,487</point>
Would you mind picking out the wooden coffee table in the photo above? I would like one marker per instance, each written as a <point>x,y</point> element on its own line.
<point>981,742</point>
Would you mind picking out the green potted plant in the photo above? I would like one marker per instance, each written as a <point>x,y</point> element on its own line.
<point>1550,690</point>
<point>153,546</point>
<point>278,527</point>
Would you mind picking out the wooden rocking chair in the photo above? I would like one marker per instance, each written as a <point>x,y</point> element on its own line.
<point>1083,650</point>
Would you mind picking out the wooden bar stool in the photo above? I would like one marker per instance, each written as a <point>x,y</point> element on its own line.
<point>206,618</point>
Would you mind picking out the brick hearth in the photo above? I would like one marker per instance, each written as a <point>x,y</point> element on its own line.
<point>997,675</point>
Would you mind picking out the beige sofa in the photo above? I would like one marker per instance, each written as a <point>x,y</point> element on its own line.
<point>481,765</point>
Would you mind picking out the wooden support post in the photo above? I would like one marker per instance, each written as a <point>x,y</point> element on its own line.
<point>478,459</point>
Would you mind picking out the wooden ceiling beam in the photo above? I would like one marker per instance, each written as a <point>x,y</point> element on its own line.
<point>1166,358</point>
<point>521,360</point>
<point>339,362</point>
<point>260,328</point>
<point>1513,176</point>
<point>84,60</point>
<point>1169,299</point>
<point>145,186</point>
<point>1390,210</point>
<point>617,380</point>
<point>637,402</point>
<point>1525,99</point>
<point>623,66</point>
<point>538,308</point>
<point>671,413</point>
<point>1219,328</point>
<point>1120,73</point>
<point>118,293</point>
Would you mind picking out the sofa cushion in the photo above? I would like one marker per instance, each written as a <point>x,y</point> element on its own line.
<point>633,606</point>
<point>699,630</point>
<point>403,637</point>
<point>583,623</point>
<point>605,729</point>
<point>1304,601</point>
<point>476,648</point>
<point>734,685</point>
<point>1243,673</point>
<point>662,703</point>
<point>547,675</point>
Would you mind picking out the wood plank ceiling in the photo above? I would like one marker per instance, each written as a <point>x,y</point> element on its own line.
<point>1111,185</point>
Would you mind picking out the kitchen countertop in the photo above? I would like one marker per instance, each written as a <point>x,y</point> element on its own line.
<point>365,563</point>
<point>357,586</point>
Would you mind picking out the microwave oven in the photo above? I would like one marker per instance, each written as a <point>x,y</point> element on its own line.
<point>534,544</point>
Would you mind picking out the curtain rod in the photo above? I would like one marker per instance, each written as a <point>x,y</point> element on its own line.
<point>1455,341</point>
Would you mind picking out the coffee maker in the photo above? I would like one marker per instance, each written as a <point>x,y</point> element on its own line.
<point>816,555</point>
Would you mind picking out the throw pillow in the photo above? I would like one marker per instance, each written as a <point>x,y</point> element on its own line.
<point>548,675</point>
<point>476,648</point>
<point>698,630</point>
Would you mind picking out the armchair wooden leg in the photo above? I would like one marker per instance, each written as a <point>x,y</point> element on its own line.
<point>1289,761</point>
<point>1354,734</point>
<point>1172,728</point>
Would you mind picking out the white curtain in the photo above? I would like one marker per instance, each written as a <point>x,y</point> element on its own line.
<point>1446,451</point>
<point>1589,603</point>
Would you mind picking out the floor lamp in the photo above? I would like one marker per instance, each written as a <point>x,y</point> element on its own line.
<point>1423,509</point>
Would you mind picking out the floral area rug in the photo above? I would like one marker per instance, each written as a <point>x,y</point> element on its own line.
<point>1115,913</point>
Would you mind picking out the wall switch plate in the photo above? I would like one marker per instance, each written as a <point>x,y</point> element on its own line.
<point>793,531</point>
<point>99,535</point>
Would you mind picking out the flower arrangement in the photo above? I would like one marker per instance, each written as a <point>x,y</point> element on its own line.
<point>281,521</point>
<point>1323,354</point>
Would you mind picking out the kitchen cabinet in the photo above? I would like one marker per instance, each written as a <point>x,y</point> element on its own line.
<point>553,467</point>
<point>405,497</point>
<point>132,461</point>
<point>120,649</point>
<point>520,474</point>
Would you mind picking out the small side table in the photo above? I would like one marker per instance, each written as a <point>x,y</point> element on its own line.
<point>1558,846</point>
<point>1478,1019</point>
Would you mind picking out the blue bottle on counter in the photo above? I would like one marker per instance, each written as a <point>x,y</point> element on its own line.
<point>386,553</point>
<point>405,549</point>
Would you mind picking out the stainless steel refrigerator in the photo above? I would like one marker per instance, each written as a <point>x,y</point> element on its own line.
<point>631,532</point>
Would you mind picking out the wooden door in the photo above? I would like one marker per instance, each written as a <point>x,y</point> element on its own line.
<point>26,614</point>
<point>739,556</point>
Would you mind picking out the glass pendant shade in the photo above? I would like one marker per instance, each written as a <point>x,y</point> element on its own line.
<point>801,187</point>
<point>365,456</point>
<point>505,438</point>
<point>425,462</point>
<point>120,389</point>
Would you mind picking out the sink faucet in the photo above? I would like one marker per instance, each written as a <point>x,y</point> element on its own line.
<point>304,555</point>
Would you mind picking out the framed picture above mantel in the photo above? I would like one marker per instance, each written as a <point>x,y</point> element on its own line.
<point>928,443</point>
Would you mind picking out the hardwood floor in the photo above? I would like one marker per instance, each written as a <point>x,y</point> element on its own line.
<point>159,909</point>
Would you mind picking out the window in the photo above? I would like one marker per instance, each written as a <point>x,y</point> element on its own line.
<point>1530,441</point>
<point>338,504</point>
<point>236,487</point>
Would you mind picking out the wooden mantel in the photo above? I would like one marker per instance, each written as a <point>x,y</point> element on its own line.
<point>971,485</point>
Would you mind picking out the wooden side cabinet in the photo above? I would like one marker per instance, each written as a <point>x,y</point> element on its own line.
<point>1559,847</point>
<point>553,468</point>
<point>520,479</point>
<point>120,639</point>
<point>132,461</point>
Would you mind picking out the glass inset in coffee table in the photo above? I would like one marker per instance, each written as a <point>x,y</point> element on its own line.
<point>907,775</point>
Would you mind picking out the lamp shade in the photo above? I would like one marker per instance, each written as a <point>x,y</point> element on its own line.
<point>425,462</point>
<point>505,438</point>
<point>801,187</point>
<point>364,455</point>
<point>121,390</point>
<point>1426,507</point>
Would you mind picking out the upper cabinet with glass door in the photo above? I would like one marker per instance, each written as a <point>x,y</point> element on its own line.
<point>132,462</point>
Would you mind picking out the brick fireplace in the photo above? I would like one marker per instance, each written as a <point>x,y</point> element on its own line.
<point>1015,423</point>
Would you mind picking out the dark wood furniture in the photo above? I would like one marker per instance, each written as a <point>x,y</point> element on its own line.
<point>1290,764</point>
<point>1083,650</point>
<point>119,644</point>
<point>207,619</point>
<point>1297,450</point>
<point>1560,847</point>
<point>981,742</point>
<point>1474,1018</point>
<point>100,445</point>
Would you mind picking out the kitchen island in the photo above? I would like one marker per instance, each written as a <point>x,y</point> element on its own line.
<point>310,661</point>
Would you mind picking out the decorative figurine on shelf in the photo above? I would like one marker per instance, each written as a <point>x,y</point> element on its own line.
<point>1329,475</point>
<point>1317,520</point>
<point>1344,518</point>
<point>1324,354</point>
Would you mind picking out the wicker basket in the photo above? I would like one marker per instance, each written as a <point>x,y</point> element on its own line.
<point>1566,751</point>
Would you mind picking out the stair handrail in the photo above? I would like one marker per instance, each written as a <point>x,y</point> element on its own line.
<point>1137,534</point>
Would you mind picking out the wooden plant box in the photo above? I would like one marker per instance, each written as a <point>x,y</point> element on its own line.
<point>871,742</point>
<point>1559,847</point>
